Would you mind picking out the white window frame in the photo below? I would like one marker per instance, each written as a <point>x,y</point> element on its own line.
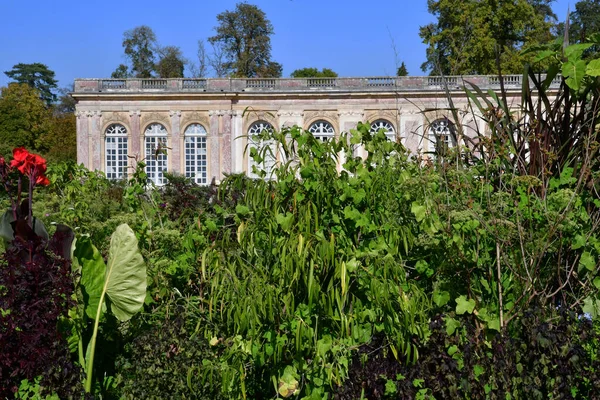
<point>322,130</point>
<point>441,129</point>
<point>116,147</point>
<point>269,157</point>
<point>387,126</point>
<point>156,135</point>
<point>196,153</point>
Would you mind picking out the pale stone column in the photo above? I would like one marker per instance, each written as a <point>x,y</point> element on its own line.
<point>226,152</point>
<point>237,143</point>
<point>289,119</point>
<point>214,146</point>
<point>175,144</point>
<point>348,120</point>
<point>96,141</point>
<point>83,150</point>
<point>134,138</point>
<point>411,131</point>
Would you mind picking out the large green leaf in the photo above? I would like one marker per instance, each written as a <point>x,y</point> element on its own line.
<point>574,72</point>
<point>93,271</point>
<point>593,68</point>
<point>125,274</point>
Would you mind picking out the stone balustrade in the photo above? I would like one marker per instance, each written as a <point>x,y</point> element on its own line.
<point>358,84</point>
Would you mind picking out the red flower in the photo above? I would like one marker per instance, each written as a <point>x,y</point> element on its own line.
<point>21,160</point>
<point>31,165</point>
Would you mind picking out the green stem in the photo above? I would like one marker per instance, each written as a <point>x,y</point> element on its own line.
<point>90,361</point>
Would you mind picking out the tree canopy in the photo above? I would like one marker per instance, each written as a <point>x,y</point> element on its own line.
<point>245,37</point>
<point>583,22</point>
<point>36,75</point>
<point>171,63</point>
<point>313,73</point>
<point>402,70</point>
<point>24,117</point>
<point>469,34</point>
<point>140,44</point>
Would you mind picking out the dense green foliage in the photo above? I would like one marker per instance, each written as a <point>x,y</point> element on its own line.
<point>245,37</point>
<point>313,73</point>
<point>469,272</point>
<point>25,120</point>
<point>37,76</point>
<point>472,37</point>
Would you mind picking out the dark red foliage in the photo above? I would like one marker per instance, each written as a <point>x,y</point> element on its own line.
<point>35,292</point>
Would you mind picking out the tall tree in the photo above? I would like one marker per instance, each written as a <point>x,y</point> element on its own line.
<point>313,73</point>
<point>122,72</point>
<point>200,70</point>
<point>583,22</point>
<point>402,71</point>
<point>65,103</point>
<point>36,75</point>
<point>245,35</point>
<point>140,45</point>
<point>217,61</point>
<point>24,118</point>
<point>171,62</point>
<point>469,35</point>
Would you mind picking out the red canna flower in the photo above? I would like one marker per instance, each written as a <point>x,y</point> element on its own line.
<point>21,160</point>
<point>31,165</point>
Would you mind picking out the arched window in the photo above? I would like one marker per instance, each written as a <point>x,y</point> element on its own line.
<point>387,127</point>
<point>322,130</point>
<point>115,151</point>
<point>266,147</point>
<point>155,139</point>
<point>441,135</point>
<point>195,153</point>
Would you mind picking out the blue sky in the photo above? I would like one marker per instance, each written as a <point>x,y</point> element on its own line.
<point>82,39</point>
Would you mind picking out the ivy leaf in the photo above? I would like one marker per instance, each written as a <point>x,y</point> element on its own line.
<point>241,210</point>
<point>419,210</point>
<point>285,220</point>
<point>441,298</point>
<point>587,260</point>
<point>463,305</point>
<point>451,325</point>
<point>597,282</point>
<point>591,306</point>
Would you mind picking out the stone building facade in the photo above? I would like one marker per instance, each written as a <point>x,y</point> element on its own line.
<point>201,127</point>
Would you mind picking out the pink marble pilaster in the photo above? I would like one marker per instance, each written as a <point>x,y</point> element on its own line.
<point>96,140</point>
<point>214,153</point>
<point>134,147</point>
<point>83,152</point>
<point>226,144</point>
<point>175,142</point>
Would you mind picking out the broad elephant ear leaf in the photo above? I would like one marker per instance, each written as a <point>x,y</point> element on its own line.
<point>93,271</point>
<point>125,274</point>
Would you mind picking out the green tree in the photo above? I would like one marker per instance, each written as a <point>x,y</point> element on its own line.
<point>24,118</point>
<point>171,63</point>
<point>65,103</point>
<point>36,75</point>
<point>122,72</point>
<point>402,71</point>
<point>469,35</point>
<point>313,73</point>
<point>583,22</point>
<point>245,37</point>
<point>140,45</point>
